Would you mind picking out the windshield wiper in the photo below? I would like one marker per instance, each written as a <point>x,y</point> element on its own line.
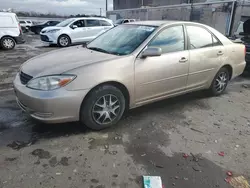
<point>99,50</point>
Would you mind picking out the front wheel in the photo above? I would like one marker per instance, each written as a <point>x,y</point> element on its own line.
<point>63,41</point>
<point>220,82</point>
<point>103,107</point>
<point>8,43</point>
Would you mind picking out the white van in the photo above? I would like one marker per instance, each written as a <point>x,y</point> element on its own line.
<point>75,30</point>
<point>10,31</point>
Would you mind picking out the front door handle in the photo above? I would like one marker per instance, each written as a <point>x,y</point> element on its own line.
<point>220,53</point>
<point>183,60</point>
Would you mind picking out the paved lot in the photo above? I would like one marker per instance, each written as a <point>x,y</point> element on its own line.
<point>149,140</point>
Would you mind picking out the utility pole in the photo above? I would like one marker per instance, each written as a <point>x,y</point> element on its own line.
<point>100,11</point>
<point>142,3</point>
<point>106,5</point>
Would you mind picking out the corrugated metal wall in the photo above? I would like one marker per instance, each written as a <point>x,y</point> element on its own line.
<point>215,15</point>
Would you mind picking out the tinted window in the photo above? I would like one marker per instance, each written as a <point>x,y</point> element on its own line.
<point>199,37</point>
<point>93,23</point>
<point>125,21</point>
<point>132,20</point>
<point>79,23</point>
<point>104,23</point>
<point>170,40</point>
<point>22,22</point>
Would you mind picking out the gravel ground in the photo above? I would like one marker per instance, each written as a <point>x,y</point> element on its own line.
<point>150,140</point>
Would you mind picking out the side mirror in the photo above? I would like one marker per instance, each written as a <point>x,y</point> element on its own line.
<point>74,26</point>
<point>151,52</point>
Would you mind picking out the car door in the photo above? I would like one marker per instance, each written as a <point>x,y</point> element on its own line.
<point>93,28</point>
<point>165,75</point>
<point>78,31</point>
<point>206,53</point>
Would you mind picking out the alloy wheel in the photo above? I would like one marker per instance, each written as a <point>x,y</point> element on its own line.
<point>106,109</point>
<point>64,41</point>
<point>221,82</point>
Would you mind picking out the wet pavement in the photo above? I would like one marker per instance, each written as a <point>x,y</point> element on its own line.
<point>150,140</point>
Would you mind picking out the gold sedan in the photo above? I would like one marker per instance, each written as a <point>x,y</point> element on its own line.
<point>128,66</point>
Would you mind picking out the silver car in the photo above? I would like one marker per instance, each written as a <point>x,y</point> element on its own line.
<point>128,66</point>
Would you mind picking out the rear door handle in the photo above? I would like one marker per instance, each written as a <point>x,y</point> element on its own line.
<point>220,53</point>
<point>183,60</point>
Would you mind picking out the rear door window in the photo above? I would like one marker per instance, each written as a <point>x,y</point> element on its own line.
<point>199,37</point>
<point>93,23</point>
<point>216,42</point>
<point>104,23</point>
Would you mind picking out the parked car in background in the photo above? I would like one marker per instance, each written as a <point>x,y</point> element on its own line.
<point>128,66</point>
<point>25,25</point>
<point>242,35</point>
<point>10,31</point>
<point>38,28</point>
<point>75,30</point>
<point>123,21</point>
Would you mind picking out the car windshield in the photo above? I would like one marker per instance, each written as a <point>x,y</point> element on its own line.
<point>121,40</point>
<point>65,22</point>
<point>22,21</point>
<point>119,21</point>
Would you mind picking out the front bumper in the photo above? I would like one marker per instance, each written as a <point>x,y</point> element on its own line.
<point>19,39</point>
<point>57,106</point>
<point>49,38</point>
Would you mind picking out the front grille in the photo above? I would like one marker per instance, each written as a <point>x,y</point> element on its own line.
<point>44,38</point>
<point>25,78</point>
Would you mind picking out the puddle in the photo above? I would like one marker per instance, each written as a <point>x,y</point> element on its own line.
<point>41,154</point>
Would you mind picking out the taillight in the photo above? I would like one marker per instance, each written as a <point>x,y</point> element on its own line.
<point>245,50</point>
<point>20,28</point>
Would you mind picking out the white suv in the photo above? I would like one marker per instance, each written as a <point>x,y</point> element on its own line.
<point>75,30</point>
<point>10,31</point>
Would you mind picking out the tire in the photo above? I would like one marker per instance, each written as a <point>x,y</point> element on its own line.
<point>8,43</point>
<point>63,41</point>
<point>220,82</point>
<point>97,114</point>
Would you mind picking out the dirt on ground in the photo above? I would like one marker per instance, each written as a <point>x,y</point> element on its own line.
<point>182,139</point>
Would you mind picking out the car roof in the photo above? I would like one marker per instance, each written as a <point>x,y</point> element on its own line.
<point>9,13</point>
<point>97,18</point>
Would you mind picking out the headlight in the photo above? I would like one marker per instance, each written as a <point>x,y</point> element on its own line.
<point>53,31</point>
<point>47,83</point>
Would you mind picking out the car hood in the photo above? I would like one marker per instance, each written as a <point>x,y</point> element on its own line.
<point>61,61</point>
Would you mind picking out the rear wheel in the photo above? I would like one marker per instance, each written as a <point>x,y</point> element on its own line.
<point>103,107</point>
<point>63,41</point>
<point>7,43</point>
<point>220,82</point>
